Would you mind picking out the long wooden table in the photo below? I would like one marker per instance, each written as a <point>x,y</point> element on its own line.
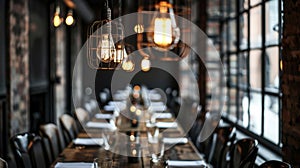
<point>75,153</point>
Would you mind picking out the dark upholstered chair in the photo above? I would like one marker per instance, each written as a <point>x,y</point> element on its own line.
<point>82,117</point>
<point>243,153</point>
<point>223,138</point>
<point>275,164</point>
<point>52,137</point>
<point>3,163</point>
<point>69,128</point>
<point>28,150</point>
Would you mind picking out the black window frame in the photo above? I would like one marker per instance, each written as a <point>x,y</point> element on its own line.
<point>226,53</point>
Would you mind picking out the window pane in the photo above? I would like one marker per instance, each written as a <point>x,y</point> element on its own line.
<point>232,35</point>
<point>224,37</point>
<point>254,2</point>
<point>255,27</point>
<point>244,31</point>
<point>243,70</point>
<point>271,118</point>
<point>38,44</point>
<point>233,69</point>
<point>232,8</point>
<point>255,112</point>
<point>232,105</point>
<point>225,65</point>
<point>244,4</point>
<point>244,106</point>
<point>272,22</point>
<point>224,8</point>
<point>213,28</point>
<point>213,6</point>
<point>272,69</point>
<point>255,69</point>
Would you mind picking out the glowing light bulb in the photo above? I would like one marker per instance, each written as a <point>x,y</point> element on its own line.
<point>69,19</point>
<point>106,48</point>
<point>166,34</point>
<point>145,64</point>
<point>128,65</point>
<point>120,53</point>
<point>57,20</point>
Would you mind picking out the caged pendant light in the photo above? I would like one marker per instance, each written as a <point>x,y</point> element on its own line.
<point>105,44</point>
<point>163,32</point>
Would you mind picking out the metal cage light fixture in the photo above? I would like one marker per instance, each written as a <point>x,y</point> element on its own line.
<point>105,45</point>
<point>163,33</point>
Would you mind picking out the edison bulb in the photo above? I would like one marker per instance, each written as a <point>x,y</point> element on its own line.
<point>128,66</point>
<point>69,19</point>
<point>145,64</point>
<point>120,54</point>
<point>56,18</point>
<point>162,32</point>
<point>106,48</point>
<point>166,34</point>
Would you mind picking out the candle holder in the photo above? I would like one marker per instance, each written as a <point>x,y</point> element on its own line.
<point>134,152</point>
<point>135,122</point>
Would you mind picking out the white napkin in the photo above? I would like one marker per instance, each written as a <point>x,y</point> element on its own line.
<point>92,124</point>
<point>186,163</point>
<point>154,96</point>
<point>166,124</point>
<point>181,140</point>
<point>162,115</point>
<point>73,165</point>
<point>88,141</point>
<point>109,107</point>
<point>103,116</point>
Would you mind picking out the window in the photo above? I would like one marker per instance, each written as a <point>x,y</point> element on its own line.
<point>250,48</point>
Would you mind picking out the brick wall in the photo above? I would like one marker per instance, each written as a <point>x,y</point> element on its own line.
<point>18,66</point>
<point>291,82</point>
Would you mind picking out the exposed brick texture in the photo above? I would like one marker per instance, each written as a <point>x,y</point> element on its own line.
<point>291,82</point>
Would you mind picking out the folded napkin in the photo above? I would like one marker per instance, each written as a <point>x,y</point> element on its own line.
<point>154,96</point>
<point>162,115</point>
<point>181,140</point>
<point>157,107</point>
<point>103,116</point>
<point>109,107</point>
<point>92,124</point>
<point>186,163</point>
<point>166,124</point>
<point>73,165</point>
<point>88,141</point>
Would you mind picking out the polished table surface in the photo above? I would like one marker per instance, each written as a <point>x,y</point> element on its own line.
<point>74,153</point>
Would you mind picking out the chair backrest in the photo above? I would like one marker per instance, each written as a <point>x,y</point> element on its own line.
<point>243,153</point>
<point>69,128</point>
<point>50,132</point>
<point>224,137</point>
<point>3,163</point>
<point>275,164</point>
<point>28,150</point>
<point>82,116</point>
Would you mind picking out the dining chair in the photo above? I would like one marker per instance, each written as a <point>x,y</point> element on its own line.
<point>82,117</point>
<point>69,127</point>
<point>243,153</point>
<point>50,133</point>
<point>28,150</point>
<point>223,138</point>
<point>204,142</point>
<point>275,164</point>
<point>3,163</point>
